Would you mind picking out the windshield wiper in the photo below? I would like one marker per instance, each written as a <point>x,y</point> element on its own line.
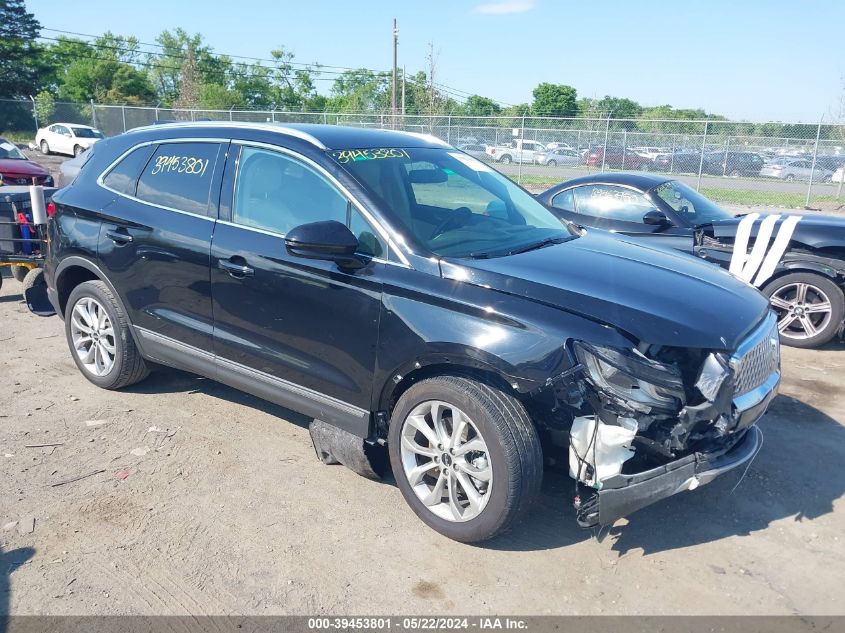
<point>541,244</point>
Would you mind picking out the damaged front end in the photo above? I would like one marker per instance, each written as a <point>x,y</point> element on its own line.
<point>653,421</point>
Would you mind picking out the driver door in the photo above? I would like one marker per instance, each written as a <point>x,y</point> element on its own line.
<point>620,210</point>
<point>299,332</point>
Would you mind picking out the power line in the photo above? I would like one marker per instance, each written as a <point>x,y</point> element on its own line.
<point>162,46</point>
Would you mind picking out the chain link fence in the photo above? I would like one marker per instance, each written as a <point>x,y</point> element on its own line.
<point>736,163</point>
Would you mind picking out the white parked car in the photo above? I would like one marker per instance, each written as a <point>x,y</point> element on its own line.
<point>557,145</point>
<point>795,169</point>
<point>839,175</point>
<point>517,151</point>
<point>66,138</point>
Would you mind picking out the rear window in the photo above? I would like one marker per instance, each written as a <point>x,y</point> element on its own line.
<point>123,177</point>
<point>178,176</point>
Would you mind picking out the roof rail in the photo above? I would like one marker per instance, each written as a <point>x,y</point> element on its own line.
<point>272,127</point>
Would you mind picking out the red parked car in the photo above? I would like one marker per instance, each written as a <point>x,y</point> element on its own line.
<point>617,158</point>
<point>17,169</point>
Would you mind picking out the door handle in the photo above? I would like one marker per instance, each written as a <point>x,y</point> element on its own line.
<point>119,236</point>
<point>236,269</point>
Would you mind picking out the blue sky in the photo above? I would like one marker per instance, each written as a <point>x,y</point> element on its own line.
<point>757,60</point>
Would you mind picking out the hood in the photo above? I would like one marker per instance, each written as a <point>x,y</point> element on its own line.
<point>657,296</point>
<point>21,167</point>
<point>813,229</point>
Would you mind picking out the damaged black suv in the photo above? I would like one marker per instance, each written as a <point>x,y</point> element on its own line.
<point>405,294</point>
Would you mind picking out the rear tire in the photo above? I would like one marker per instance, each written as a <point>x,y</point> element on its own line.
<point>506,456</point>
<point>810,308</point>
<point>19,272</point>
<point>506,159</point>
<point>94,319</point>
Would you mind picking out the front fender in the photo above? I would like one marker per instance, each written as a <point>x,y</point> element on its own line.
<point>458,324</point>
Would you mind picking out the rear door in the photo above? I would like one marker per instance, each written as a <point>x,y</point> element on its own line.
<point>299,332</point>
<point>155,241</point>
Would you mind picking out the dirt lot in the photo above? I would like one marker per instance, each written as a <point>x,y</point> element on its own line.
<point>209,501</point>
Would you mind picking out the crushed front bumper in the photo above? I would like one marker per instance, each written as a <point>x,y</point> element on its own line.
<point>623,494</point>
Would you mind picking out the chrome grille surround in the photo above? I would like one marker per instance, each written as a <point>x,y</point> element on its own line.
<point>757,359</point>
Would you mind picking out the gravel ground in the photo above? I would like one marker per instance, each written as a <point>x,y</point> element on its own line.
<point>193,498</point>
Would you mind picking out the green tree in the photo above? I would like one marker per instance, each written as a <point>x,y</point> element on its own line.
<point>477,105</point>
<point>45,107</point>
<point>102,71</point>
<point>20,61</point>
<point>554,100</point>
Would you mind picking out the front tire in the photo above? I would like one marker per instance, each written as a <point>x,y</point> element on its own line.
<point>77,150</point>
<point>465,456</point>
<point>506,159</point>
<point>98,335</point>
<point>551,163</point>
<point>45,149</point>
<point>810,308</point>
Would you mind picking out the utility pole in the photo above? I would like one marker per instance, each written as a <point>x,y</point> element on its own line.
<point>403,91</point>
<point>393,87</point>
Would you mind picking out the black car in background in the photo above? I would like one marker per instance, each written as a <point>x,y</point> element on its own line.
<point>732,163</point>
<point>407,294</point>
<point>797,261</point>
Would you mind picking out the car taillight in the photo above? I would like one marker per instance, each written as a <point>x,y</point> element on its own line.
<point>51,209</point>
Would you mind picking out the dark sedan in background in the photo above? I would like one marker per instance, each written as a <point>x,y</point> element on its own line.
<point>797,261</point>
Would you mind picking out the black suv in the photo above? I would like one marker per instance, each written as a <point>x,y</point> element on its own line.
<point>731,163</point>
<point>408,295</point>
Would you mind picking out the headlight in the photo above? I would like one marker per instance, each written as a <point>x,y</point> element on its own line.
<point>631,376</point>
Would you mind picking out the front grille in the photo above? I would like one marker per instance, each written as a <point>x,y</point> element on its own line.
<point>757,358</point>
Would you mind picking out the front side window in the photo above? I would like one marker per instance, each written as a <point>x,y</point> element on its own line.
<point>10,151</point>
<point>453,204</point>
<point>694,208</point>
<point>178,176</point>
<point>565,200</point>
<point>277,193</point>
<point>612,203</point>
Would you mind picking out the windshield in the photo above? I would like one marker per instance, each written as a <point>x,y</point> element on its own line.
<point>8,150</point>
<point>689,204</point>
<point>453,204</point>
<point>86,132</point>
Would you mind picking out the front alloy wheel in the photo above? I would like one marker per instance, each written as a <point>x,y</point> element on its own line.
<point>809,308</point>
<point>465,455</point>
<point>446,461</point>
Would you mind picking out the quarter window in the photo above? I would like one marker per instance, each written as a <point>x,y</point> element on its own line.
<point>123,177</point>
<point>178,176</point>
<point>612,203</point>
<point>276,193</point>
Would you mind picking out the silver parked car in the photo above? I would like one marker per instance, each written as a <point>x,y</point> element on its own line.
<point>476,150</point>
<point>795,169</point>
<point>560,156</point>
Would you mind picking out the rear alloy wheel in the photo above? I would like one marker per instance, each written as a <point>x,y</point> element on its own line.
<point>98,335</point>
<point>465,456</point>
<point>809,307</point>
<point>45,149</point>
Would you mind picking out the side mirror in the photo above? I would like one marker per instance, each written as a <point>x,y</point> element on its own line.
<point>656,218</point>
<point>329,240</point>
